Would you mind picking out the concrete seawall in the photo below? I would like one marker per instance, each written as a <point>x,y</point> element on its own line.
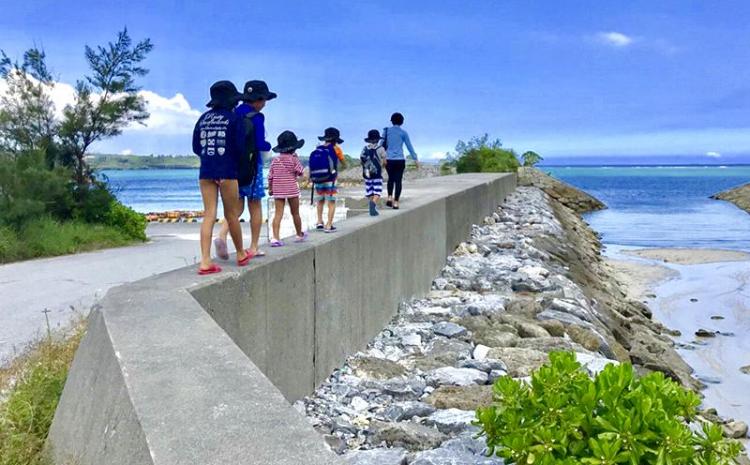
<point>184,369</point>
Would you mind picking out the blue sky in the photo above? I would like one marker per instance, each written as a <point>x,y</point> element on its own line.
<point>566,79</point>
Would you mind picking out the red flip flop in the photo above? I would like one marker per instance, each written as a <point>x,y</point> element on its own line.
<point>247,258</point>
<point>210,270</point>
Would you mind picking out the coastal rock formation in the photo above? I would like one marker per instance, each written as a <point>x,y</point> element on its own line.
<point>530,281</point>
<point>567,195</point>
<point>739,196</point>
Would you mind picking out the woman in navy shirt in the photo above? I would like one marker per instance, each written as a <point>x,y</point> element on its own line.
<point>219,139</point>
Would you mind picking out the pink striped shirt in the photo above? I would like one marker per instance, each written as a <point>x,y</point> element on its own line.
<point>285,169</point>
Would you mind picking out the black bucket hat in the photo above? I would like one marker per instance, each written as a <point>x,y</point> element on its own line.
<point>224,94</point>
<point>331,135</point>
<point>373,136</point>
<point>288,143</point>
<point>256,90</point>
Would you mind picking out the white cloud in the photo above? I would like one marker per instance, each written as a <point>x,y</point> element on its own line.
<point>713,154</point>
<point>614,39</point>
<point>126,152</point>
<point>169,115</point>
<point>172,115</point>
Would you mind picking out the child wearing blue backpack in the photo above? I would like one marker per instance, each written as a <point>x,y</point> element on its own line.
<point>324,161</point>
<point>373,157</point>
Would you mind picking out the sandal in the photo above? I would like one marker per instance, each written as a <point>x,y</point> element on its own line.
<point>221,248</point>
<point>214,268</point>
<point>248,256</point>
<point>330,230</point>
<point>277,243</point>
<point>259,253</point>
<point>301,238</point>
<point>320,226</point>
<point>389,203</point>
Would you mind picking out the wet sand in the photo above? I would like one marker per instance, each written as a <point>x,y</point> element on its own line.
<point>699,289</point>
<point>639,279</point>
<point>690,256</point>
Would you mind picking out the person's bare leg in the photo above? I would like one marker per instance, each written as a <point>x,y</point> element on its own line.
<point>224,231</point>
<point>230,198</point>
<point>277,214</point>
<point>331,212</point>
<point>320,211</point>
<point>256,221</point>
<point>294,208</point>
<point>209,193</point>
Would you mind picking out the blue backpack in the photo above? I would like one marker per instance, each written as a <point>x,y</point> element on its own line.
<point>322,165</point>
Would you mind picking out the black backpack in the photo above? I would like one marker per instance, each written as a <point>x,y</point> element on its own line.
<point>385,138</point>
<point>371,168</point>
<point>248,164</point>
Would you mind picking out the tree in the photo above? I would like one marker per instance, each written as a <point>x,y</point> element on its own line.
<point>531,158</point>
<point>481,154</point>
<point>27,114</point>
<point>106,101</point>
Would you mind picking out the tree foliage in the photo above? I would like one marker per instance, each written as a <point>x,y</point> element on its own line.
<point>27,114</point>
<point>531,158</point>
<point>43,169</point>
<point>482,154</point>
<point>106,100</point>
<point>565,417</point>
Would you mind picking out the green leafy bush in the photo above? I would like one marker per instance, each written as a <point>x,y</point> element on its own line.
<point>127,220</point>
<point>482,155</point>
<point>563,417</point>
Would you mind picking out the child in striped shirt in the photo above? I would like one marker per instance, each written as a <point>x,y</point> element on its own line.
<point>282,184</point>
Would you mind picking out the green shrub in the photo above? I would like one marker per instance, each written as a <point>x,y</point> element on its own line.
<point>482,155</point>
<point>565,417</point>
<point>94,203</point>
<point>127,220</point>
<point>9,246</point>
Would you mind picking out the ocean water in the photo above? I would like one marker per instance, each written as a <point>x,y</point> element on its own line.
<point>664,206</point>
<point>156,190</point>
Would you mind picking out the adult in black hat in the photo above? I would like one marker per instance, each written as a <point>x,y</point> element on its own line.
<point>331,135</point>
<point>288,143</point>
<point>217,140</point>
<point>224,94</point>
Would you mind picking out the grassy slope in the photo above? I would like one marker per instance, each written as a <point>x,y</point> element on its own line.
<point>30,388</point>
<point>47,238</point>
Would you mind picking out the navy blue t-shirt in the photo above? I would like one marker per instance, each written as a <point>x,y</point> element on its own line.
<point>219,138</point>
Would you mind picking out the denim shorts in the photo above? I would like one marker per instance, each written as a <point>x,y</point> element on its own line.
<point>255,191</point>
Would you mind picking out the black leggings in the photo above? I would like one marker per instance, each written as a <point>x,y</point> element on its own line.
<point>395,169</point>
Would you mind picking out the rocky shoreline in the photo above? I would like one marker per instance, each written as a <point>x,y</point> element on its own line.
<point>739,196</point>
<point>530,281</point>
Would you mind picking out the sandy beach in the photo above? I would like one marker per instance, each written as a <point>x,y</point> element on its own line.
<point>701,291</point>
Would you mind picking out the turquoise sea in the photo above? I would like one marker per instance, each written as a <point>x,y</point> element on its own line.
<point>664,206</point>
<point>656,206</point>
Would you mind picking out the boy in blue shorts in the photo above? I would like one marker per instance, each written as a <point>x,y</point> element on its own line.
<point>250,171</point>
<point>326,190</point>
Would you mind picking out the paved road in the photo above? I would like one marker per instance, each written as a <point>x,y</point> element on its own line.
<point>72,283</point>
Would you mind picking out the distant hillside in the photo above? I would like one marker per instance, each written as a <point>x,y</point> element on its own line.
<point>138,162</point>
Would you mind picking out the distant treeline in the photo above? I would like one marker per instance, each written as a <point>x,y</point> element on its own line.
<point>140,162</point>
